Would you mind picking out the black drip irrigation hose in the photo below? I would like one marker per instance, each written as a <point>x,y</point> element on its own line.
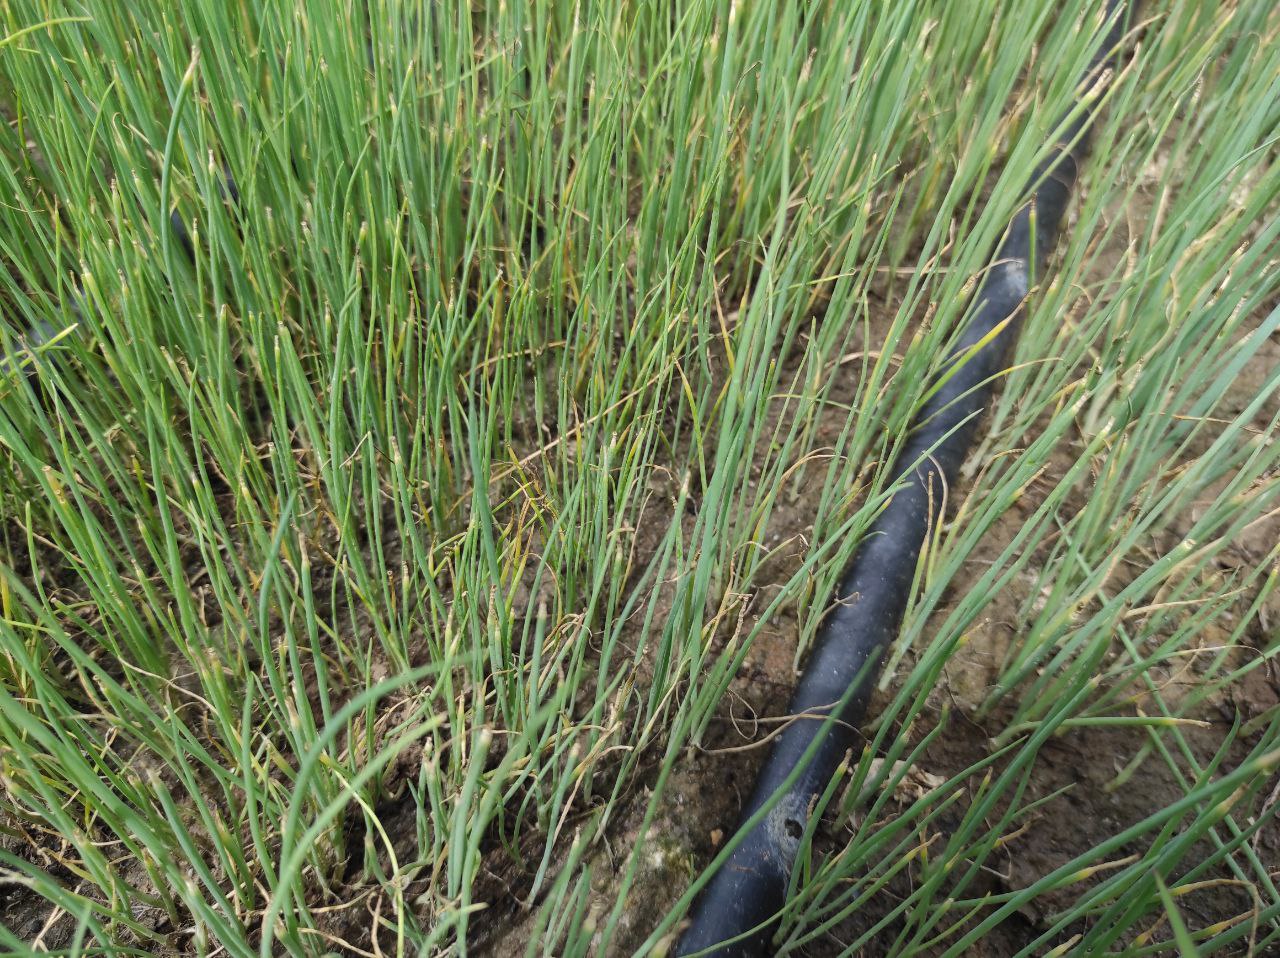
<point>737,912</point>
<point>228,192</point>
<point>44,332</point>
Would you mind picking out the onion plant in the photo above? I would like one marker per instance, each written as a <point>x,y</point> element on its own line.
<point>377,550</point>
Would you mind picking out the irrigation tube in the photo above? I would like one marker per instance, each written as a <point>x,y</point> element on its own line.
<point>45,333</point>
<point>738,910</point>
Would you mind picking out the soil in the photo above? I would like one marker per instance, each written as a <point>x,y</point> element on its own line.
<point>1077,773</point>
<point>704,796</point>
